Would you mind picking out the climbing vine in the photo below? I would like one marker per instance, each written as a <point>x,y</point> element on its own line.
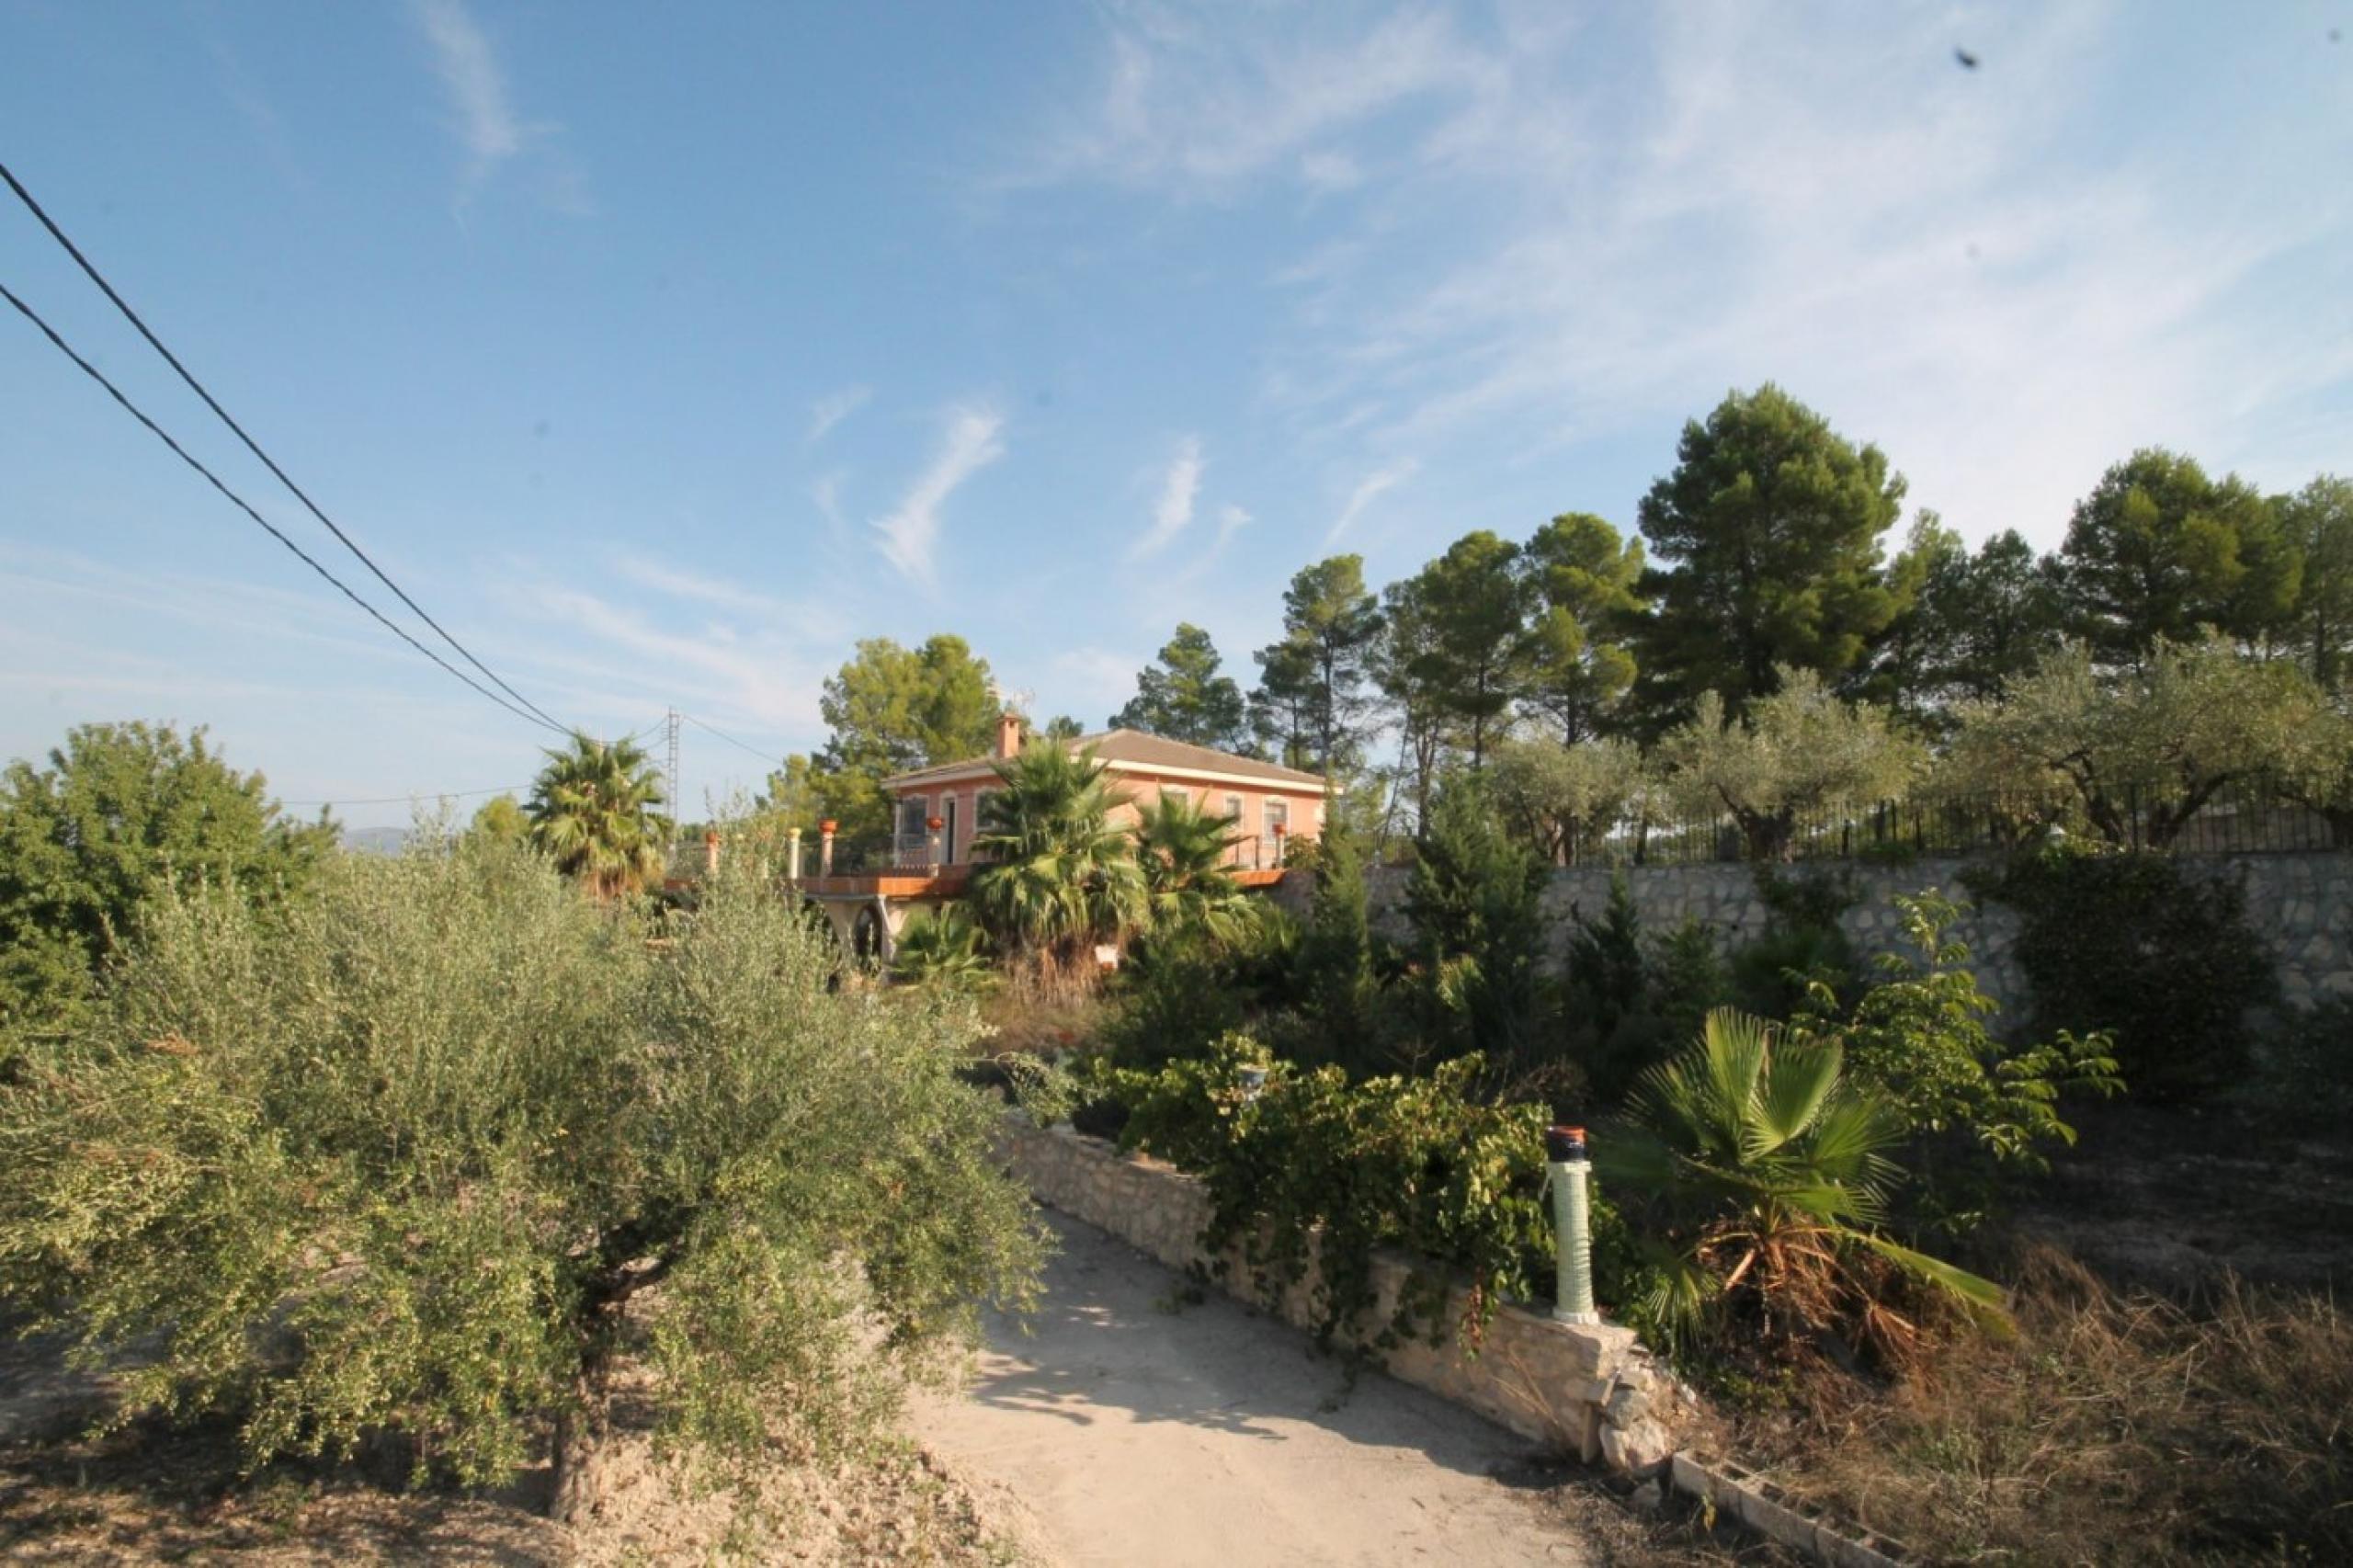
<point>1308,1172</point>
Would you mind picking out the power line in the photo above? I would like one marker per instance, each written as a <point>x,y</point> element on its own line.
<point>214,480</point>
<point>662,722</point>
<point>731,740</point>
<point>253,446</point>
<point>414,795</point>
<point>457,794</point>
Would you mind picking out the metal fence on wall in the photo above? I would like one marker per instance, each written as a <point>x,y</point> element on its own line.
<point>2253,815</point>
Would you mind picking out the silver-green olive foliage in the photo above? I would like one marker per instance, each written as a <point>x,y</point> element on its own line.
<point>396,1158</point>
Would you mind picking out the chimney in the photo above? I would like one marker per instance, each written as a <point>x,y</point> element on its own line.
<point>1008,734</point>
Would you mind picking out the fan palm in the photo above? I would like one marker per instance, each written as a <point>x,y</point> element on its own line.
<point>1767,1172</point>
<point>1058,874</point>
<point>1181,849</point>
<point>942,949</point>
<point>592,809</point>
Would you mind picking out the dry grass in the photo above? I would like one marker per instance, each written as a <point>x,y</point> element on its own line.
<point>1041,1013</point>
<point>2112,1429</point>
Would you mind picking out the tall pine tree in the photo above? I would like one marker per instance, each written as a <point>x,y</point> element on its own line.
<point>2159,549</point>
<point>1310,703</point>
<point>1584,587</point>
<point>1769,531</point>
<point>1182,696</point>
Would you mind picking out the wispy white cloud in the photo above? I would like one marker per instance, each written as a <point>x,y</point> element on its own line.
<point>1370,488</point>
<point>1167,591</point>
<point>827,496</point>
<point>1549,243</point>
<point>1202,105</point>
<point>910,530</point>
<point>1330,171</point>
<point>1180,487</point>
<point>835,407</point>
<point>1094,680</point>
<point>223,606</point>
<point>1230,519</point>
<point>483,115</point>
<point>765,678</point>
<point>486,121</point>
<point>242,91</point>
<point>676,583</point>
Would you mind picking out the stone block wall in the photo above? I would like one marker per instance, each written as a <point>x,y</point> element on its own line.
<point>1592,1389</point>
<point>2299,906</point>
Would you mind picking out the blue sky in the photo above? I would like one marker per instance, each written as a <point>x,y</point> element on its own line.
<point>661,352</point>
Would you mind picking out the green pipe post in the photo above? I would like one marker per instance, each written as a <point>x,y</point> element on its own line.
<point>1570,1175</point>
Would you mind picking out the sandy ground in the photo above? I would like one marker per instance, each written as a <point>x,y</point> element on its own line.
<point>156,1493</point>
<point>1140,1428</point>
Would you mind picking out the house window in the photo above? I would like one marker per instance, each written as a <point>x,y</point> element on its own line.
<point>980,817</point>
<point>914,810</point>
<point>1277,817</point>
<point>949,809</point>
<point>1173,792</point>
<point>1233,811</point>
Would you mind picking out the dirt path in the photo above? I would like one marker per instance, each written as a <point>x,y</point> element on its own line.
<point>1139,1429</point>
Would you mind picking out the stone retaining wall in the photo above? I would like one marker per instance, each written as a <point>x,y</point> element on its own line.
<point>2298,906</point>
<point>1592,1389</point>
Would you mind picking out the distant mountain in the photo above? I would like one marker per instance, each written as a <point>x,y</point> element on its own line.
<point>375,840</point>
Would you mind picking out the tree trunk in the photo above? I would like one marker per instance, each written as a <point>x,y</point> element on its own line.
<point>580,1452</point>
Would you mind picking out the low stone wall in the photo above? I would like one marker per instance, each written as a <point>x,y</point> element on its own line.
<point>1592,1389</point>
<point>2298,906</point>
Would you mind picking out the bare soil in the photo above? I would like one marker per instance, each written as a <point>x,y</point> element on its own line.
<point>2172,1199</point>
<point>159,1494</point>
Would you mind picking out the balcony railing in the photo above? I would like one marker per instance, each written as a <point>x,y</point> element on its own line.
<point>1256,852</point>
<point>913,854</point>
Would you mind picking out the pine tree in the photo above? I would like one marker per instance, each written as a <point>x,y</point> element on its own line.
<point>1310,697</point>
<point>1182,696</point>
<point>1768,529</point>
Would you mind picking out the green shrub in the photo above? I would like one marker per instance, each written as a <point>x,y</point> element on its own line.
<point>1629,1001</point>
<point>1338,986</point>
<point>121,810</point>
<point>1175,997</point>
<point>1476,901</point>
<point>1417,1164</point>
<point>1920,1038</point>
<point>2129,945</point>
<point>396,1158</point>
<point>1687,978</point>
<point>1802,947</point>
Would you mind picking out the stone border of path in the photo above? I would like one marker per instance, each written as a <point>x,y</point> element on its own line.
<point>1590,1390</point>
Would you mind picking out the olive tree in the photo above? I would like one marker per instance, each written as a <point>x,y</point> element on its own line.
<point>1566,799</point>
<point>1798,752</point>
<point>429,1152</point>
<point>2137,753</point>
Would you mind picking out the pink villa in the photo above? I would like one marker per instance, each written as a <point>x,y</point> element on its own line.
<point>929,858</point>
